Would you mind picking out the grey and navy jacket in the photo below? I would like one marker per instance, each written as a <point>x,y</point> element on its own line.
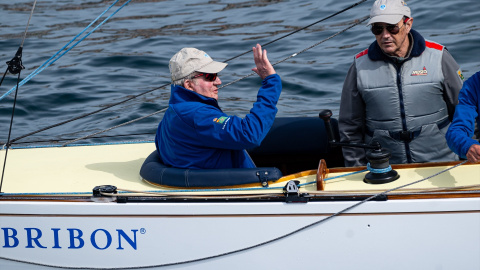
<point>404,105</point>
<point>195,134</point>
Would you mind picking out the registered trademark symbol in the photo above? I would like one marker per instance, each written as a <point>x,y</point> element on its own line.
<point>143,231</point>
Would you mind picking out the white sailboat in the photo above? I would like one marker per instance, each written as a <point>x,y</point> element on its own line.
<point>100,207</point>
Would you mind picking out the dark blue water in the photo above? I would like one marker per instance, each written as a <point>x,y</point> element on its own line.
<point>129,55</point>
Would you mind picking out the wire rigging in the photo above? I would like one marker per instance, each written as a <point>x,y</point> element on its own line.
<point>51,60</point>
<point>9,133</point>
<point>117,126</point>
<point>253,73</point>
<point>167,84</point>
<point>302,51</point>
<point>303,28</point>
<point>15,66</point>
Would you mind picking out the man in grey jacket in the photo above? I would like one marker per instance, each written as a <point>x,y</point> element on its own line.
<point>401,92</point>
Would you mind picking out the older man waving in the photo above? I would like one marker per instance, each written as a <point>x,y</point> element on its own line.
<point>194,132</point>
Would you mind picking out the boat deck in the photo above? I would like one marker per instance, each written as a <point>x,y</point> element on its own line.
<point>77,170</point>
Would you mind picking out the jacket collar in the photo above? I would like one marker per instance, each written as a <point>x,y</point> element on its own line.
<point>375,53</point>
<point>179,94</point>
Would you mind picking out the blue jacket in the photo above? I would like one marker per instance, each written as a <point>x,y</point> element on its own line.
<point>460,132</point>
<point>196,134</point>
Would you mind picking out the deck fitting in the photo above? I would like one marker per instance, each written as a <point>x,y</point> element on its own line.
<point>98,190</point>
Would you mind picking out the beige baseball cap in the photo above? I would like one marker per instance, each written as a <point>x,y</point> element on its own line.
<point>189,60</point>
<point>389,11</point>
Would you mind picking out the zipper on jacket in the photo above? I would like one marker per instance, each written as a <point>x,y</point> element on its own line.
<point>402,110</point>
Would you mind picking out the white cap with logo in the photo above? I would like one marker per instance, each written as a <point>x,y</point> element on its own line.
<point>389,11</point>
<point>189,60</point>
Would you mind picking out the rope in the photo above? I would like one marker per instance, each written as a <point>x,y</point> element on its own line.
<point>15,66</point>
<point>259,244</point>
<point>28,23</point>
<point>9,133</point>
<point>373,170</point>
<point>191,190</point>
<point>117,126</point>
<point>3,77</point>
<point>303,28</point>
<point>302,51</point>
<point>331,178</point>
<point>79,117</point>
<point>48,63</point>
<point>68,139</point>
<point>85,144</point>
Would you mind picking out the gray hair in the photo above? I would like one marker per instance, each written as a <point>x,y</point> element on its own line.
<point>181,81</point>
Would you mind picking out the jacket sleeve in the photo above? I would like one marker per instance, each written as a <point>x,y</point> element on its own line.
<point>453,81</point>
<point>216,129</point>
<point>459,134</point>
<point>352,120</point>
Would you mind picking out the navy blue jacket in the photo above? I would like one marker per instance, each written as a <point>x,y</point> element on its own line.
<point>460,132</point>
<point>196,134</point>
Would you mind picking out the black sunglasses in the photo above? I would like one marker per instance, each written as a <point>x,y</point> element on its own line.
<point>211,77</point>
<point>392,28</point>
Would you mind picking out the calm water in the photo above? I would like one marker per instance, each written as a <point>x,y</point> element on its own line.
<point>129,55</point>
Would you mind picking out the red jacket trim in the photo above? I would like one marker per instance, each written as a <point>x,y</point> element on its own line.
<point>433,45</point>
<point>360,54</point>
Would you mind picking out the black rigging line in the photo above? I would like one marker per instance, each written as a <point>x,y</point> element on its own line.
<point>167,84</point>
<point>85,115</point>
<point>15,66</point>
<point>303,28</point>
<point>60,140</point>
<point>5,73</point>
<point>9,133</point>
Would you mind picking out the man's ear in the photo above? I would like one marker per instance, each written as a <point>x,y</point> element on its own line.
<point>409,24</point>
<point>187,84</point>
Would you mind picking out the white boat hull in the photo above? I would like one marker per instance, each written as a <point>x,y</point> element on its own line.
<point>393,234</point>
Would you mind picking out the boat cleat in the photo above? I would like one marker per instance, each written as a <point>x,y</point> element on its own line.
<point>292,193</point>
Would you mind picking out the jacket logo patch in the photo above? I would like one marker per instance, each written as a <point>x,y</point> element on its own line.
<point>422,72</point>
<point>220,120</point>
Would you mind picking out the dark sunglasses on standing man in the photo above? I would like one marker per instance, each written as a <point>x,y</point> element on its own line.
<point>391,28</point>
<point>211,77</point>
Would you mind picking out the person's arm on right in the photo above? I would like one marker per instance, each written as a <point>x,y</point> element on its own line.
<point>460,132</point>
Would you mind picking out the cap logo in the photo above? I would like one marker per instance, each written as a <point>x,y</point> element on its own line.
<point>382,7</point>
<point>206,55</point>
